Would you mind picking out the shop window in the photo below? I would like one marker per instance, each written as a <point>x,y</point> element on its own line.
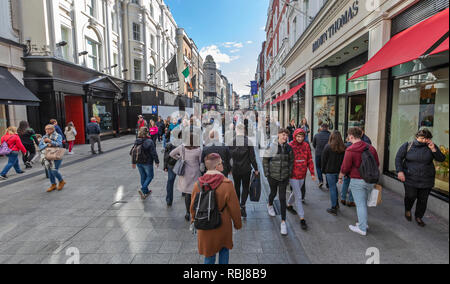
<point>422,101</point>
<point>324,112</point>
<point>325,86</point>
<point>357,84</point>
<point>102,111</point>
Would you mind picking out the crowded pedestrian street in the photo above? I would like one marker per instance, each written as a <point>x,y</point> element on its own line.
<point>100,215</point>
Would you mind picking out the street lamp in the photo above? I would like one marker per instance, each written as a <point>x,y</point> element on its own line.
<point>61,43</point>
<point>83,53</point>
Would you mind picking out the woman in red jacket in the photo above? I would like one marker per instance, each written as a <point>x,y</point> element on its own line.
<point>15,144</point>
<point>303,162</point>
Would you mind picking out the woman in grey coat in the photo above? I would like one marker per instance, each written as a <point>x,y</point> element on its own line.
<point>192,155</point>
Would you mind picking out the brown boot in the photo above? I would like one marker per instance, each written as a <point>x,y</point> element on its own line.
<point>52,188</point>
<point>61,185</point>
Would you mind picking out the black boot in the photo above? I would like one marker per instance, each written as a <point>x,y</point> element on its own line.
<point>332,211</point>
<point>243,212</point>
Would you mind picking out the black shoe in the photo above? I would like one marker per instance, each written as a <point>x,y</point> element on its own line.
<point>20,173</point>
<point>320,184</point>
<point>187,217</point>
<point>408,216</point>
<point>243,212</point>
<point>332,211</point>
<point>303,225</point>
<point>169,204</point>
<point>100,152</point>
<point>291,210</point>
<point>94,153</point>
<point>2,177</point>
<point>303,201</point>
<point>420,222</point>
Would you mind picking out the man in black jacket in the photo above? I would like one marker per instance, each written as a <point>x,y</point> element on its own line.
<point>215,146</point>
<point>243,155</point>
<point>319,142</point>
<point>93,132</point>
<point>169,164</point>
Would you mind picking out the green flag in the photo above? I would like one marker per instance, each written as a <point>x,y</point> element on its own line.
<point>186,72</point>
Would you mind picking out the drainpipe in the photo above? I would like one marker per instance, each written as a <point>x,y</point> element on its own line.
<point>107,34</point>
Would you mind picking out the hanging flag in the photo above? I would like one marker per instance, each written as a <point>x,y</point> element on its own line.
<point>172,70</point>
<point>186,72</point>
<point>193,83</point>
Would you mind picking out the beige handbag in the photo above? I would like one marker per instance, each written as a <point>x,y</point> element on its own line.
<point>54,153</point>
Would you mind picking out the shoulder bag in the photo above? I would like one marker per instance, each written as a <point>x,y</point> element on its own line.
<point>179,167</point>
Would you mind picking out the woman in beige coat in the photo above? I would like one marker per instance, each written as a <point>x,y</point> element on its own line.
<point>192,155</point>
<point>219,240</point>
<point>71,134</point>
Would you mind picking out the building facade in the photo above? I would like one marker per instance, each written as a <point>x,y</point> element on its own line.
<point>391,104</point>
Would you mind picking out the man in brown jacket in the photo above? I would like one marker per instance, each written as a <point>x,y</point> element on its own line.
<point>219,240</point>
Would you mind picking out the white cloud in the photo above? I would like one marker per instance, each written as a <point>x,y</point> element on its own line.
<point>235,50</point>
<point>238,45</point>
<point>263,28</point>
<point>233,44</point>
<point>217,54</point>
<point>249,42</point>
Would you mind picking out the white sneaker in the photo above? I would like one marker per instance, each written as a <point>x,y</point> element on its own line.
<point>357,230</point>
<point>271,211</point>
<point>357,225</point>
<point>283,229</point>
<point>71,153</point>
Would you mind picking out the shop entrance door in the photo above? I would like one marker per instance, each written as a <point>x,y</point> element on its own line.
<point>352,112</point>
<point>75,113</point>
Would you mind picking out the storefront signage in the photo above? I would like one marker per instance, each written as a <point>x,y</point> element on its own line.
<point>349,14</point>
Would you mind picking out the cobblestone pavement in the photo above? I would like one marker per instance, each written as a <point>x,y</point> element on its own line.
<point>100,214</point>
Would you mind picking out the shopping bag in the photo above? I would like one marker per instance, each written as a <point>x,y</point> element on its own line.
<point>375,197</point>
<point>54,153</point>
<point>255,188</point>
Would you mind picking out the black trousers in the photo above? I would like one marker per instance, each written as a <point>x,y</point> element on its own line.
<point>421,195</point>
<point>243,180</point>
<point>280,188</point>
<point>31,152</point>
<point>187,201</point>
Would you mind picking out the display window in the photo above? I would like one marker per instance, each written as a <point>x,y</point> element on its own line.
<point>103,112</point>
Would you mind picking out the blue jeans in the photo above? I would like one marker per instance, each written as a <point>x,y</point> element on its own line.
<point>164,141</point>
<point>54,173</point>
<point>224,256</point>
<point>147,174</point>
<point>319,168</point>
<point>332,180</point>
<point>361,192</point>
<point>345,191</point>
<point>170,182</point>
<point>13,161</point>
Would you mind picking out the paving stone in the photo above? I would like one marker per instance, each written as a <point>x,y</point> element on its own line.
<point>170,247</point>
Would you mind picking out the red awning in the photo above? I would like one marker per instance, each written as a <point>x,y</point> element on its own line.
<point>441,48</point>
<point>266,103</point>
<point>289,94</point>
<point>408,45</point>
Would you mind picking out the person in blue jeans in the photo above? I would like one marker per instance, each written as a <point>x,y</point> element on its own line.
<point>320,140</point>
<point>145,165</point>
<point>12,139</point>
<point>332,158</point>
<point>169,163</point>
<point>346,194</point>
<point>52,139</point>
<point>224,256</point>
<point>361,190</point>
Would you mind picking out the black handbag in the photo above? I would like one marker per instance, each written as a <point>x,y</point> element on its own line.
<point>255,188</point>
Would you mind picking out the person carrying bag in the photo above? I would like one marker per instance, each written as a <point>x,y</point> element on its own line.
<point>52,146</point>
<point>179,168</point>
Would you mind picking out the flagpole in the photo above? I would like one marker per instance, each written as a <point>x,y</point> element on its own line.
<point>162,66</point>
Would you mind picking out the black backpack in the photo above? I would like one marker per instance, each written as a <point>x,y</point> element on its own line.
<point>369,169</point>
<point>207,215</point>
<point>138,155</point>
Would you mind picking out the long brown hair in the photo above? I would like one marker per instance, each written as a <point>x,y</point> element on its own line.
<point>23,126</point>
<point>336,143</point>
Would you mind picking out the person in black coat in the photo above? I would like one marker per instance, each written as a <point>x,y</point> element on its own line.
<point>243,156</point>
<point>215,146</point>
<point>169,164</point>
<point>291,129</point>
<point>319,142</point>
<point>415,168</point>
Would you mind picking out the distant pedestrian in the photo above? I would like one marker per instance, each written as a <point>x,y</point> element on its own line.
<point>140,123</point>
<point>302,162</point>
<point>415,167</point>
<point>305,126</point>
<point>143,157</point>
<point>169,163</point>
<point>12,139</point>
<point>52,139</point>
<point>58,130</point>
<point>292,127</point>
<point>365,138</point>
<point>161,126</point>
<point>93,132</point>
<point>361,190</point>
<point>192,156</point>
<point>71,134</point>
<point>220,240</point>
<point>29,141</point>
<point>319,142</point>
<point>278,165</point>
<point>215,146</point>
<point>153,131</point>
<point>332,158</point>
<point>244,160</point>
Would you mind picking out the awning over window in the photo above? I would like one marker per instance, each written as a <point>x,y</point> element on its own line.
<point>441,48</point>
<point>12,92</point>
<point>410,44</point>
<point>289,94</point>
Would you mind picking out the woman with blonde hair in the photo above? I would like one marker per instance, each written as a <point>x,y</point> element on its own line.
<point>154,130</point>
<point>13,142</point>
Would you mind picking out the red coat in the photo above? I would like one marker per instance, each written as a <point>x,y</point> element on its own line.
<point>14,143</point>
<point>303,158</point>
<point>352,159</point>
